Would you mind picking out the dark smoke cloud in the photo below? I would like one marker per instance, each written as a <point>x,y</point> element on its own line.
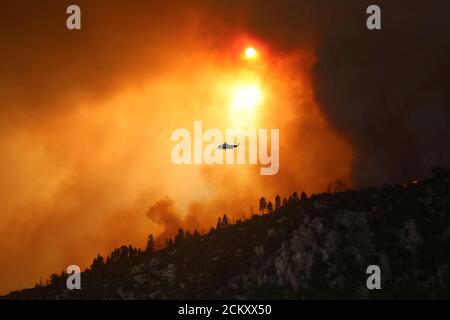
<point>387,91</point>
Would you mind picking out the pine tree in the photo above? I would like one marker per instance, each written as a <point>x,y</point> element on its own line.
<point>262,204</point>
<point>196,234</point>
<point>225,221</point>
<point>270,206</point>
<point>219,223</point>
<point>97,262</point>
<point>180,236</point>
<point>222,222</point>
<point>150,244</point>
<point>277,202</point>
<point>54,277</point>
<point>303,196</point>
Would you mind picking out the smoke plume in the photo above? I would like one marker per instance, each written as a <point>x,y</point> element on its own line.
<point>86,116</point>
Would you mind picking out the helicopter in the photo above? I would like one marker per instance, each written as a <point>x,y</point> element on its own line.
<point>228,146</point>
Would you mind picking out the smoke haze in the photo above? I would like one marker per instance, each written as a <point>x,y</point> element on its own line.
<point>86,116</point>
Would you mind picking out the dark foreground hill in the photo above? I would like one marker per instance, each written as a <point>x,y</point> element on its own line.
<point>317,247</point>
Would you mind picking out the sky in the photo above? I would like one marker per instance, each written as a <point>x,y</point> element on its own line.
<point>86,116</point>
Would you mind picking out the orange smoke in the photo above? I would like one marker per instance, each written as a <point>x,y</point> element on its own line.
<point>88,173</point>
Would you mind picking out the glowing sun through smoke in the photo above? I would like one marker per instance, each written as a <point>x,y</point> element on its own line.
<point>246,97</point>
<point>85,184</point>
<point>250,53</point>
<point>246,94</point>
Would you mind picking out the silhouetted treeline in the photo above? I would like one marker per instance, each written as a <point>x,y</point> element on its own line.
<point>299,247</point>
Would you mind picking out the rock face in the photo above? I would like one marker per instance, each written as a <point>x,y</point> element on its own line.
<point>313,248</point>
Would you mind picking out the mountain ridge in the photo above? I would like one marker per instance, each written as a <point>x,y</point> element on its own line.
<point>308,248</point>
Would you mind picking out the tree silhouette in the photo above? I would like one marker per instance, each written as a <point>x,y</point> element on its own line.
<point>295,196</point>
<point>130,252</point>
<point>262,204</point>
<point>222,222</point>
<point>54,278</point>
<point>270,206</point>
<point>225,220</point>
<point>303,196</point>
<point>180,236</point>
<point>219,223</point>
<point>150,244</point>
<point>196,234</point>
<point>97,262</point>
<point>277,202</point>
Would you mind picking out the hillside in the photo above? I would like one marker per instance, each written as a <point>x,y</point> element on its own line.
<point>310,248</point>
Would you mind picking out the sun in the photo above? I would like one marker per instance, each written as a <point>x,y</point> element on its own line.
<point>246,92</point>
<point>250,53</point>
